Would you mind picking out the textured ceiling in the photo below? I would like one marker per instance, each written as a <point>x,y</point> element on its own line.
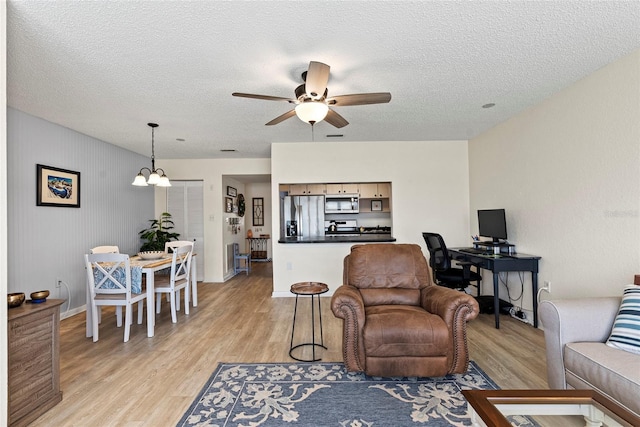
<point>106,68</point>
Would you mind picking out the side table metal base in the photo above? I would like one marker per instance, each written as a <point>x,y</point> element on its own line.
<point>313,359</point>
<point>312,289</point>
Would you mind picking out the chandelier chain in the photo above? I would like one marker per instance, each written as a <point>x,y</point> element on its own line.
<point>153,151</point>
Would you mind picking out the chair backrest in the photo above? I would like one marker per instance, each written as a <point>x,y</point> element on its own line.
<point>170,246</point>
<point>387,273</point>
<point>105,250</point>
<point>236,249</point>
<point>108,273</point>
<point>181,262</point>
<point>438,255</point>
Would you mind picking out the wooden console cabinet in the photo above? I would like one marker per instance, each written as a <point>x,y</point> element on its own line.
<point>34,360</point>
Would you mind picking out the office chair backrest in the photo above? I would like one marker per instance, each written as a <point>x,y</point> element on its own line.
<point>438,254</point>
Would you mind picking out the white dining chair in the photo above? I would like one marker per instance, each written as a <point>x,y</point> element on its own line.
<point>178,279</point>
<point>108,250</point>
<point>105,250</point>
<point>109,282</point>
<point>168,248</point>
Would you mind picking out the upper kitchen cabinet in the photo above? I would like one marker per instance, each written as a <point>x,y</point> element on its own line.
<point>307,189</point>
<point>373,190</point>
<point>342,188</point>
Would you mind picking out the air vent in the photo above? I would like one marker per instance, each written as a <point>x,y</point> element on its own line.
<point>228,150</point>
<point>338,135</point>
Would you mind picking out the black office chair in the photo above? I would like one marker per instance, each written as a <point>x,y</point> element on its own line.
<point>444,274</point>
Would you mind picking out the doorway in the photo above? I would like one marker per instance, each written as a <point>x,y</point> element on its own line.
<point>185,204</point>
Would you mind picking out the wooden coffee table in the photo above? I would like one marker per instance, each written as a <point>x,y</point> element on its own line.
<point>490,407</point>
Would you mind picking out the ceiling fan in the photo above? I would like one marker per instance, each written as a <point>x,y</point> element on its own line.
<point>312,100</point>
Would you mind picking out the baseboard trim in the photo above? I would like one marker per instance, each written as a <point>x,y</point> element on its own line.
<point>73,312</point>
<point>287,294</point>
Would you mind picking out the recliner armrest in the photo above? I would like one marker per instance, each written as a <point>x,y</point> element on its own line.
<point>347,304</point>
<point>456,309</point>
<point>445,302</point>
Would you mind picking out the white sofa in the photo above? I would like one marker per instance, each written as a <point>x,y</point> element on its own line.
<point>575,332</point>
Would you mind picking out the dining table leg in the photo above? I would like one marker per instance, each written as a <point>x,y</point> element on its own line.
<point>194,282</point>
<point>88,313</point>
<point>151,312</point>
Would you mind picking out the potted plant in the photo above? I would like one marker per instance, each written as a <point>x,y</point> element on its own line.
<point>158,233</point>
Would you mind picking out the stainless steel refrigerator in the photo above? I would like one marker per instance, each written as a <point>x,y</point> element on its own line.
<point>303,216</point>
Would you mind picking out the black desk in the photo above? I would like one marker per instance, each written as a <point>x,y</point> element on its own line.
<point>499,263</point>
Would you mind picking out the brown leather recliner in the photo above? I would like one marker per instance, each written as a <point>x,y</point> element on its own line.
<point>396,321</point>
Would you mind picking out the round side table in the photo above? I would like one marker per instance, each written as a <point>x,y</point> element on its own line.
<point>313,289</point>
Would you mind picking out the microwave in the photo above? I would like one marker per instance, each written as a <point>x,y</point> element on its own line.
<point>341,203</point>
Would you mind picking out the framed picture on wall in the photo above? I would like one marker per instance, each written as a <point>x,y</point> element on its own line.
<point>57,187</point>
<point>228,204</point>
<point>231,191</point>
<point>376,205</point>
<point>258,211</point>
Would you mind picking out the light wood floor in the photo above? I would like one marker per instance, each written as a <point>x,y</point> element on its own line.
<point>152,381</point>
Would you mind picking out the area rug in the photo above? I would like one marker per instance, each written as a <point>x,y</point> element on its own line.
<point>325,394</point>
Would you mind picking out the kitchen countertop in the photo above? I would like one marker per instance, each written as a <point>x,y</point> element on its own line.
<point>363,238</point>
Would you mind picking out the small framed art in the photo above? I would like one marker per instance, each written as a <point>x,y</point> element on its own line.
<point>231,191</point>
<point>228,204</point>
<point>258,211</point>
<point>376,205</point>
<point>57,187</point>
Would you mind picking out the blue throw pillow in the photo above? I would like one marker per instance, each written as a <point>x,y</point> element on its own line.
<point>625,334</point>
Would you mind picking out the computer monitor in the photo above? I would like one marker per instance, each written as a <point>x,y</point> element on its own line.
<point>492,223</point>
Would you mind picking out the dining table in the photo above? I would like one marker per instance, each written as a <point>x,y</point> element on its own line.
<point>148,268</point>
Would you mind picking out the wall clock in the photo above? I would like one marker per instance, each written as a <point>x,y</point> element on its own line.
<point>241,205</point>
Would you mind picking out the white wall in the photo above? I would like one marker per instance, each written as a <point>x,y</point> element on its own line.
<point>429,189</point>
<point>215,176</point>
<point>3,212</point>
<point>567,171</point>
<point>54,239</point>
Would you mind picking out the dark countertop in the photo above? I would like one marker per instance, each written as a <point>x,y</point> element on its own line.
<point>363,238</point>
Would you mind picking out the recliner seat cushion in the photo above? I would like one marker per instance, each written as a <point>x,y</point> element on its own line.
<point>404,330</point>
<point>615,373</point>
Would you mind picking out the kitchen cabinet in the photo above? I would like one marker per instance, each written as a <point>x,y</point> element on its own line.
<point>307,189</point>
<point>373,190</point>
<point>342,189</point>
<point>34,360</point>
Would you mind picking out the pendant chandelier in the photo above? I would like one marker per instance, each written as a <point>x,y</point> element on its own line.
<point>154,174</point>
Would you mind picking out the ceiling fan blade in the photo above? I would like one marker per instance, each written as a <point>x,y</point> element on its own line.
<point>264,97</point>
<point>359,99</point>
<point>317,79</point>
<point>335,119</point>
<point>281,118</point>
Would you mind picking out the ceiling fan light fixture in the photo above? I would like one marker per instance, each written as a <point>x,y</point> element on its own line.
<point>312,111</point>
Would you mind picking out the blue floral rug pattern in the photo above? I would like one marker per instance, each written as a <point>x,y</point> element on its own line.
<point>325,394</point>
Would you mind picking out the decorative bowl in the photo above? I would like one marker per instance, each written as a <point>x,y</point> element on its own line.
<point>15,299</point>
<point>39,296</point>
<point>151,254</point>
